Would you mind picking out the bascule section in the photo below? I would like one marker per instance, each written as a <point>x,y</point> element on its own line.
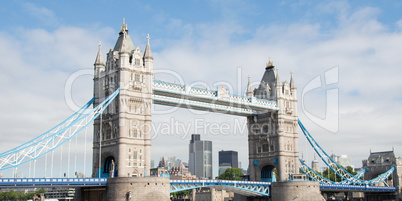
<point>273,138</point>
<point>122,142</point>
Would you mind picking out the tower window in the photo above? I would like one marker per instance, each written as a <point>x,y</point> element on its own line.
<point>265,148</point>
<point>137,61</point>
<point>137,78</point>
<point>265,129</point>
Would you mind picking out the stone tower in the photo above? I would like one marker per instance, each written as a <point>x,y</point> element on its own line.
<point>273,138</point>
<point>125,126</point>
<point>380,162</point>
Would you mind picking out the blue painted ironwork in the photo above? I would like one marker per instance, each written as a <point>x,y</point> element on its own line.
<point>51,182</point>
<point>313,175</point>
<point>55,137</point>
<point>358,188</point>
<point>247,187</point>
<point>347,178</point>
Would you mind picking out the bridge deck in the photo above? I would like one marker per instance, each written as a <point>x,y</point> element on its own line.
<point>252,188</point>
<point>51,182</point>
<point>357,188</point>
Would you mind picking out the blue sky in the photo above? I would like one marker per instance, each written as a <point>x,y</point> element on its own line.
<point>210,43</point>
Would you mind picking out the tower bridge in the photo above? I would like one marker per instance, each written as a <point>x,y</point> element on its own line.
<point>124,91</point>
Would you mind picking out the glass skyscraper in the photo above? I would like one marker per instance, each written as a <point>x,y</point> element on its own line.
<point>200,157</point>
<point>227,159</point>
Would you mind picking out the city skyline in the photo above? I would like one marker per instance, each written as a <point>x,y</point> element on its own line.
<point>209,44</point>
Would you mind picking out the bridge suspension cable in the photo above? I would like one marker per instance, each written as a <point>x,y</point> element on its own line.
<point>347,178</point>
<point>55,137</point>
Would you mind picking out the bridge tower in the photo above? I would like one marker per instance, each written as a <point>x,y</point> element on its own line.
<point>124,128</point>
<point>380,162</point>
<point>273,137</point>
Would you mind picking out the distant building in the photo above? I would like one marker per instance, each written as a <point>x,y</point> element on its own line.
<point>227,159</point>
<point>200,157</point>
<point>169,162</point>
<point>315,165</point>
<point>343,160</point>
<point>152,163</point>
<point>180,170</point>
<point>183,177</point>
<point>181,173</point>
<point>176,168</point>
<point>159,172</point>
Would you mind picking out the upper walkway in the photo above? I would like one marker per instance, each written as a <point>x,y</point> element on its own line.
<point>221,101</point>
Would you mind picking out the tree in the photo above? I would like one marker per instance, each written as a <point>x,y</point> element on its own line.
<point>12,195</point>
<point>181,194</point>
<point>231,174</point>
<point>333,176</point>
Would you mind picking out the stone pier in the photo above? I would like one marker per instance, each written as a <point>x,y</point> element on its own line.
<point>138,189</point>
<point>296,190</point>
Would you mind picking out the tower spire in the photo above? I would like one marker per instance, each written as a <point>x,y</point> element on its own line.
<point>292,82</point>
<point>270,64</point>
<point>124,26</point>
<point>278,79</point>
<point>249,92</point>
<point>148,52</point>
<point>99,58</point>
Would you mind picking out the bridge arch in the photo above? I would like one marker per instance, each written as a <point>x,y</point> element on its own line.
<point>267,173</point>
<point>107,166</point>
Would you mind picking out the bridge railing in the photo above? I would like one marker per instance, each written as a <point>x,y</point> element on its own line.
<point>188,92</point>
<point>358,188</point>
<point>50,182</point>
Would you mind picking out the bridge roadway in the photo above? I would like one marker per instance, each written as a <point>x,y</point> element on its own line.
<point>248,188</point>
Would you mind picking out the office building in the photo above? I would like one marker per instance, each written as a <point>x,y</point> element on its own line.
<point>200,157</point>
<point>227,159</point>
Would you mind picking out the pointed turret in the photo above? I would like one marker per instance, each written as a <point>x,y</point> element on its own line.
<point>148,52</point>
<point>278,84</point>
<point>99,58</point>
<point>249,92</point>
<point>268,82</point>
<point>148,59</point>
<point>99,63</point>
<point>124,40</point>
<point>292,82</point>
<point>278,79</point>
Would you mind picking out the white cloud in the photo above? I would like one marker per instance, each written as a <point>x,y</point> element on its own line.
<point>41,13</point>
<point>399,24</point>
<point>35,66</point>
<point>365,51</point>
